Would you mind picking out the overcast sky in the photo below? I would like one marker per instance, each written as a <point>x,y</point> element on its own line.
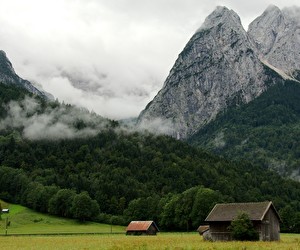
<point>110,56</point>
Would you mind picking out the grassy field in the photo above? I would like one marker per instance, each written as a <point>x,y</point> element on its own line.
<point>26,221</point>
<point>165,241</point>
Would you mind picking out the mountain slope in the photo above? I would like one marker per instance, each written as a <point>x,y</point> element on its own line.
<point>127,174</point>
<point>9,76</point>
<point>265,131</point>
<point>217,68</point>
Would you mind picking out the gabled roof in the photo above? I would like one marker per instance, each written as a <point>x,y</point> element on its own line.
<point>140,225</point>
<point>228,212</point>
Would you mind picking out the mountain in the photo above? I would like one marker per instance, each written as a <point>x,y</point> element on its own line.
<point>266,130</point>
<point>9,76</point>
<point>221,66</point>
<point>276,36</point>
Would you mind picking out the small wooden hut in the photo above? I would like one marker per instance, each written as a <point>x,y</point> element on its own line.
<point>202,229</point>
<point>142,228</point>
<point>263,215</point>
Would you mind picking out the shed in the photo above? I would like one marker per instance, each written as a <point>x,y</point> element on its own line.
<point>263,215</point>
<point>142,228</point>
<point>202,229</point>
<point>5,210</point>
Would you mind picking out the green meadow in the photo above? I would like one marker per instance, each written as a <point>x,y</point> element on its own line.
<point>176,241</point>
<point>25,221</point>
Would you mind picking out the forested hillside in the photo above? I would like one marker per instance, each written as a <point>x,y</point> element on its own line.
<point>265,132</point>
<point>99,170</point>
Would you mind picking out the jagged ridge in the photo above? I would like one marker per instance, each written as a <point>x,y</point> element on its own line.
<point>276,36</point>
<point>220,66</point>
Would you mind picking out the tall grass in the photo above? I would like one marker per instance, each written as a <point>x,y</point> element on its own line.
<point>165,241</point>
<point>26,221</point>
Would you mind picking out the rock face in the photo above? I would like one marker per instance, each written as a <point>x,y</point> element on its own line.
<point>218,67</point>
<point>9,76</point>
<point>276,36</point>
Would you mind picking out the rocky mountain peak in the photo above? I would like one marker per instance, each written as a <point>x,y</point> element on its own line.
<point>219,16</point>
<point>266,29</point>
<point>276,36</point>
<point>272,9</point>
<point>217,68</point>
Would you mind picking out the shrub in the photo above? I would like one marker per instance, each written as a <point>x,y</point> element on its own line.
<point>241,228</point>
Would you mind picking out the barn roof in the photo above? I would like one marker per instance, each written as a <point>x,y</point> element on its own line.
<point>228,212</point>
<point>140,225</point>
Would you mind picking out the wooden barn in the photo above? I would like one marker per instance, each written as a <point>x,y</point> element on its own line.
<point>142,228</point>
<point>263,215</point>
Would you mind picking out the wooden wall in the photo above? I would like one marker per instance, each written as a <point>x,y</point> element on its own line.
<point>270,229</point>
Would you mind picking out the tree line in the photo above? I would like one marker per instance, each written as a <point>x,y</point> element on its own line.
<point>119,175</point>
<point>134,176</point>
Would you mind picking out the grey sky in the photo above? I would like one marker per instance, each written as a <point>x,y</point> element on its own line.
<point>110,56</point>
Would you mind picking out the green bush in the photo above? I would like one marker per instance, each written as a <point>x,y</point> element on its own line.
<point>241,228</point>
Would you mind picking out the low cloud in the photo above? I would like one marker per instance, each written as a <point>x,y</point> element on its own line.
<point>61,122</point>
<point>157,126</point>
<point>293,12</point>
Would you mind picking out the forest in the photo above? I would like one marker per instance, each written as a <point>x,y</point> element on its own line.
<point>265,131</point>
<point>103,171</point>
